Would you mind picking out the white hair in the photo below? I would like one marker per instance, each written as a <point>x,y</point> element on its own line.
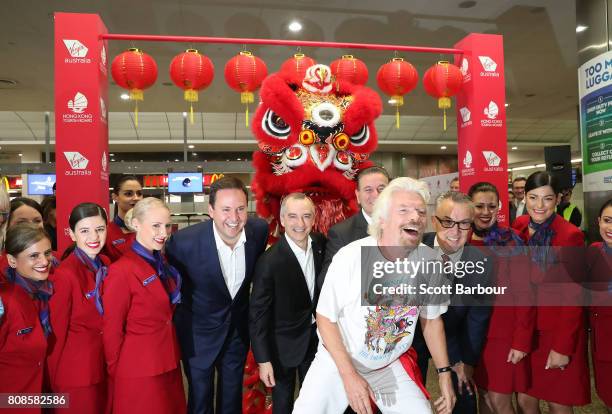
<point>383,202</point>
<point>295,196</point>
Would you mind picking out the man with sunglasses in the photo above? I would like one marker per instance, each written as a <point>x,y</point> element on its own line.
<point>465,325</point>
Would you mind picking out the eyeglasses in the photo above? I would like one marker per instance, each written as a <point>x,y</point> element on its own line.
<point>449,224</point>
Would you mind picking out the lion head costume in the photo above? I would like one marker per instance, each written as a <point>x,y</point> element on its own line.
<point>314,135</point>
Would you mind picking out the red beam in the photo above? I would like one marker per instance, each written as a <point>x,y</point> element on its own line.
<point>276,42</point>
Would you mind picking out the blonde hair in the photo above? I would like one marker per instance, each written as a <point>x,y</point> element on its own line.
<point>383,202</point>
<point>143,206</point>
<point>5,206</point>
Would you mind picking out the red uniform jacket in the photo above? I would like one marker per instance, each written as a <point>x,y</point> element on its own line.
<point>567,322</point>
<point>23,345</point>
<point>513,323</point>
<point>117,242</point>
<point>76,354</point>
<point>139,335</point>
<point>600,276</point>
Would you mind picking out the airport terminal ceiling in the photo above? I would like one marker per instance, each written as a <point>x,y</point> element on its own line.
<point>539,47</point>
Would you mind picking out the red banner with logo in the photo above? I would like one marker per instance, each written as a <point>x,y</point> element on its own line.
<point>481,116</point>
<point>81,117</point>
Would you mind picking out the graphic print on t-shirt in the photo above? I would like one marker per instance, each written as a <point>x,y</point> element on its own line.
<point>387,325</point>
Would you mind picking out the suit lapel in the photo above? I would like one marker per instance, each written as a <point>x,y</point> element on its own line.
<point>249,258</point>
<point>360,226</point>
<point>215,263</point>
<point>318,255</point>
<point>293,267</point>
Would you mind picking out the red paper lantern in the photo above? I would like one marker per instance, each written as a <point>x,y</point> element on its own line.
<point>396,78</point>
<point>296,66</point>
<point>244,73</point>
<point>135,71</point>
<point>442,81</point>
<point>192,72</point>
<point>350,69</point>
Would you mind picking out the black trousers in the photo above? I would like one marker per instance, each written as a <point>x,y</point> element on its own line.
<point>466,403</point>
<point>283,393</point>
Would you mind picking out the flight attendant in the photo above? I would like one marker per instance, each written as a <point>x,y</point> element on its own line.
<point>559,369</point>
<point>502,369</point>
<point>76,358</point>
<point>599,262</point>
<point>127,191</point>
<point>24,210</point>
<point>25,325</point>
<point>140,343</point>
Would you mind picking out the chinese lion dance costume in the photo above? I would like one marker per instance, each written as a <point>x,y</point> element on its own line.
<point>314,135</point>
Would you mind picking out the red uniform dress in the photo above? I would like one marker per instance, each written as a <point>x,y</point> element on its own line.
<point>600,317</point>
<point>561,328</point>
<point>509,327</point>
<point>140,343</point>
<point>76,355</point>
<point>117,242</point>
<point>23,345</point>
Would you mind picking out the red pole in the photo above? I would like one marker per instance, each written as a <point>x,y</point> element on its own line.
<point>277,42</point>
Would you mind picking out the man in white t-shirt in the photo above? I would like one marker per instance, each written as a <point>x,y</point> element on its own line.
<point>360,346</point>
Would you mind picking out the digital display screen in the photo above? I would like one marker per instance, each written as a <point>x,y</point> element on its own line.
<point>185,182</point>
<point>40,184</point>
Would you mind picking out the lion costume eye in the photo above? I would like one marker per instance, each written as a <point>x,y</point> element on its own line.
<point>274,125</point>
<point>361,137</point>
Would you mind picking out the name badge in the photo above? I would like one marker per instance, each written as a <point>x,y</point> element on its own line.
<point>90,295</point>
<point>149,280</point>
<point>118,241</point>
<point>25,331</point>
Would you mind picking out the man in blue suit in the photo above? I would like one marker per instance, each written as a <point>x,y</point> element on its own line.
<point>216,259</point>
<point>467,318</point>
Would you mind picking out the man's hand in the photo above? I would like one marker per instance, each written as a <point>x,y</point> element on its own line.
<point>358,392</point>
<point>446,403</point>
<point>515,356</point>
<point>464,373</point>
<point>266,374</point>
<point>556,360</point>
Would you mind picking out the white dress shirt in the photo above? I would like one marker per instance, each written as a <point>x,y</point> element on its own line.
<point>232,261</point>
<point>520,208</point>
<point>306,261</point>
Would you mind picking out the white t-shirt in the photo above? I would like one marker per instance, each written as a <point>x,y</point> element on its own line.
<point>374,336</point>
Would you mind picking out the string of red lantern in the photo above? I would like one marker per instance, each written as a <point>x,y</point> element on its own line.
<point>296,66</point>
<point>135,71</point>
<point>349,69</point>
<point>244,73</point>
<point>443,80</point>
<point>192,72</point>
<point>396,78</point>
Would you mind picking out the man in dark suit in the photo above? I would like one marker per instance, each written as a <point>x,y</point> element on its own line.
<point>465,322</point>
<point>216,259</point>
<point>517,208</point>
<point>370,183</point>
<point>283,302</point>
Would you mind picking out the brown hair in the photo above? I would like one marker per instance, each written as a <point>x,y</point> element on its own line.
<point>21,236</point>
